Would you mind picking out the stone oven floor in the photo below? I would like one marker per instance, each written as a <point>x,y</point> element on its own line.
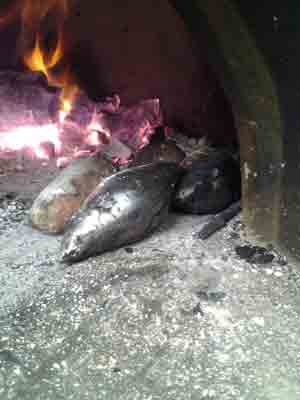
<point>171,317</point>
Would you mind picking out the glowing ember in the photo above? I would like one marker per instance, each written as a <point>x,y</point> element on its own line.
<point>31,137</point>
<point>119,134</point>
<point>93,139</point>
<point>62,162</point>
<point>98,133</point>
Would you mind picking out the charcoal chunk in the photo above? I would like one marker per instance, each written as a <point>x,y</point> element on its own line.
<point>254,254</point>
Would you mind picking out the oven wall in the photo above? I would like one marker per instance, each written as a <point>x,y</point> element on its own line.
<point>8,41</point>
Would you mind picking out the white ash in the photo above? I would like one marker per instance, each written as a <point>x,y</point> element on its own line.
<point>190,146</point>
<point>137,325</point>
<point>127,320</point>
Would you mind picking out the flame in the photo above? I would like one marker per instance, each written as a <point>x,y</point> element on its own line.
<point>36,17</point>
<point>98,134</point>
<point>37,60</point>
<point>67,98</point>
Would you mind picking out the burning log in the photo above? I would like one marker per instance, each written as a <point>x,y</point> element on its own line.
<point>28,113</point>
<point>60,199</point>
<point>95,125</point>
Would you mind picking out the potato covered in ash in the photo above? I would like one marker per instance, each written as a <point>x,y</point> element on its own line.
<point>211,183</point>
<point>55,205</point>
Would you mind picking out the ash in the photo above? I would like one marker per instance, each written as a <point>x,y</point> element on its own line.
<point>172,317</point>
<point>190,146</point>
<point>12,212</point>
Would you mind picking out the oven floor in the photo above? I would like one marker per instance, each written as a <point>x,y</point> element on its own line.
<point>171,317</point>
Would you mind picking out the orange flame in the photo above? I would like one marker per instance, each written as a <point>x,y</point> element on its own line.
<point>38,61</point>
<point>35,16</point>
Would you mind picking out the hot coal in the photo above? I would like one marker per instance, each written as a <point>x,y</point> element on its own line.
<point>125,208</point>
<point>133,125</point>
<point>31,114</point>
<point>254,254</point>
<point>48,149</point>
<point>62,197</point>
<point>96,123</point>
<point>210,184</point>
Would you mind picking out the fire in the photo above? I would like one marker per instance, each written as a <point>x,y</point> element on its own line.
<point>36,16</point>
<point>67,98</point>
<point>43,45</point>
<point>37,61</point>
<point>45,48</point>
